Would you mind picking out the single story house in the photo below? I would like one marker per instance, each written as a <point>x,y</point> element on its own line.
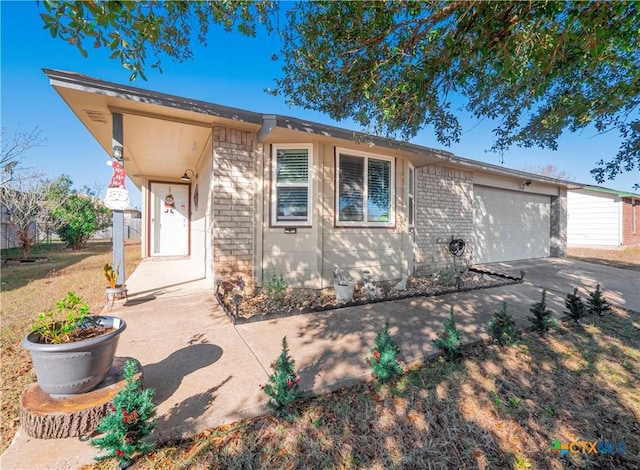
<point>246,193</point>
<point>602,217</point>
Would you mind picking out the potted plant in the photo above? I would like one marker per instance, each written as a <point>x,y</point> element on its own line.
<point>343,286</point>
<point>72,355</point>
<point>113,289</point>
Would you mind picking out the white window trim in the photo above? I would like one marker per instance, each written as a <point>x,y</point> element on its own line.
<point>392,192</point>
<point>410,170</point>
<point>634,217</point>
<point>274,187</point>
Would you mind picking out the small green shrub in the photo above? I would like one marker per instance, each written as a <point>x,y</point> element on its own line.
<point>447,277</point>
<point>449,341</point>
<point>283,385</point>
<point>384,362</point>
<point>596,303</point>
<point>54,331</point>
<point>502,327</point>
<point>543,319</point>
<point>575,306</point>
<point>275,286</point>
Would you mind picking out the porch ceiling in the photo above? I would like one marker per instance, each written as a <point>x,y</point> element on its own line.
<point>160,142</point>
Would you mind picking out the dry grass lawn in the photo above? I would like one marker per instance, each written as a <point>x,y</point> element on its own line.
<point>496,408</point>
<point>30,289</point>
<point>627,258</point>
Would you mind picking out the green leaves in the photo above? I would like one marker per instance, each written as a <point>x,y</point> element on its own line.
<point>132,30</point>
<point>78,216</point>
<point>536,68</point>
<point>74,309</point>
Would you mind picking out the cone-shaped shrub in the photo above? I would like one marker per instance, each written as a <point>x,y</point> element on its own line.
<point>575,306</point>
<point>502,327</point>
<point>543,319</point>
<point>384,361</point>
<point>449,341</point>
<point>596,303</point>
<point>130,420</point>
<point>283,385</point>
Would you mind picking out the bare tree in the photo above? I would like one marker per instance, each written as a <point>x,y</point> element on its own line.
<point>27,207</point>
<point>14,147</point>
<point>549,170</point>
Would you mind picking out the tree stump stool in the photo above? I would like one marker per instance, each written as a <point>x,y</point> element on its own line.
<point>47,417</point>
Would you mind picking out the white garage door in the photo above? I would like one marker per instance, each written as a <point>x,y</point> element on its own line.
<point>510,225</point>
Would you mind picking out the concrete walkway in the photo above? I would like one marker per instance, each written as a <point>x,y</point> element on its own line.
<point>206,372</point>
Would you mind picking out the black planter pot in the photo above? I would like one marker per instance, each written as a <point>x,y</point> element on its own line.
<point>78,367</point>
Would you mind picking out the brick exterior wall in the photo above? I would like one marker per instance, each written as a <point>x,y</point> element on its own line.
<point>444,209</point>
<point>628,235</point>
<point>233,203</point>
<point>558,248</point>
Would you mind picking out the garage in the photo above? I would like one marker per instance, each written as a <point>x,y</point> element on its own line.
<point>510,225</point>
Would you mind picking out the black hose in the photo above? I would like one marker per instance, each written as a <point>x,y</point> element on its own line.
<point>457,246</point>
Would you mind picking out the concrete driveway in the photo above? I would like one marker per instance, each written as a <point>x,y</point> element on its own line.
<point>621,286</point>
<point>206,372</point>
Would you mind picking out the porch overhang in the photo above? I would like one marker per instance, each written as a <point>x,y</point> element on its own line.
<point>163,134</point>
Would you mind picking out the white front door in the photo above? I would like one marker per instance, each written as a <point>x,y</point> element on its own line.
<point>169,219</point>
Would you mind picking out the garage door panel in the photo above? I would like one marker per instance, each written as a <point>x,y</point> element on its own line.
<point>510,225</point>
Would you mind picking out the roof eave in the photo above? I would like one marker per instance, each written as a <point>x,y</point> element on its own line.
<point>72,80</point>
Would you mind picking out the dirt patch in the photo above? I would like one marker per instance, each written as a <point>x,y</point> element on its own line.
<point>82,334</point>
<point>23,262</point>
<point>626,258</point>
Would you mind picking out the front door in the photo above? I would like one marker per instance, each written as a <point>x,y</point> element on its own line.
<point>169,219</point>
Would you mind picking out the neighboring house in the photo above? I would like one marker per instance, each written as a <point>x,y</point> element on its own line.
<point>9,236</point>
<point>132,213</point>
<point>132,225</point>
<point>270,192</point>
<point>602,217</point>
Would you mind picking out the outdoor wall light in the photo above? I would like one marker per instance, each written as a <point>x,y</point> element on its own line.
<point>117,152</point>
<point>185,176</point>
<point>524,184</point>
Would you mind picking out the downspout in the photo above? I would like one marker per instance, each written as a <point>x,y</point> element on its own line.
<point>269,123</point>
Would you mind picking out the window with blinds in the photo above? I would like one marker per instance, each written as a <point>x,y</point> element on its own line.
<point>364,191</point>
<point>291,200</point>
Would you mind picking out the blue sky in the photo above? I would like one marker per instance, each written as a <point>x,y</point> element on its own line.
<point>233,71</point>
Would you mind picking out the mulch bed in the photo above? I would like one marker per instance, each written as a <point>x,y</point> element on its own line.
<point>259,306</point>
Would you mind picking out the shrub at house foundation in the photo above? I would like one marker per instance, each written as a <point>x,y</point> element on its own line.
<point>384,361</point>
<point>275,286</point>
<point>502,327</point>
<point>542,318</point>
<point>447,277</point>
<point>131,420</point>
<point>596,303</point>
<point>283,386</point>
<point>575,306</point>
<point>449,341</point>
